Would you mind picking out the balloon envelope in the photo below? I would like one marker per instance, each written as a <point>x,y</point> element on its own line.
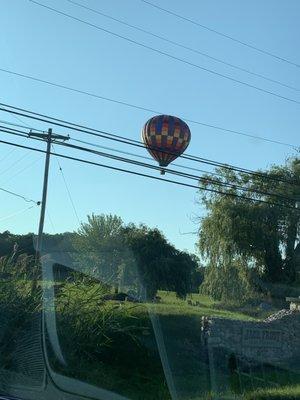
<point>166,137</point>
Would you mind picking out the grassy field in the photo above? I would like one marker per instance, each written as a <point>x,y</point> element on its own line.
<point>171,305</point>
<point>137,371</point>
<point>180,324</point>
<point>130,348</point>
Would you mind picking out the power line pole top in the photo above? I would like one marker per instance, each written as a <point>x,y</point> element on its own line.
<point>49,134</point>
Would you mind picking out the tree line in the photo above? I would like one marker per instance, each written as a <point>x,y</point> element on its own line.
<point>123,256</point>
<point>244,245</point>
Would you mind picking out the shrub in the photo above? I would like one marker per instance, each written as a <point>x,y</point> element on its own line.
<point>19,267</point>
<point>96,326</point>
<point>18,306</point>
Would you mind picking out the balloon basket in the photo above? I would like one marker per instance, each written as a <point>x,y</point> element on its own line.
<point>162,171</point>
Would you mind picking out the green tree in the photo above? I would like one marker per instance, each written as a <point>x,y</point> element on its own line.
<point>230,283</point>
<point>159,264</point>
<point>99,247</point>
<point>260,235</point>
<point>132,257</point>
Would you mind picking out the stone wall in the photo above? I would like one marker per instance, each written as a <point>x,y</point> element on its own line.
<point>275,341</point>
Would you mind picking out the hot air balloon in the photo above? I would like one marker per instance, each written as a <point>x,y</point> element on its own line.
<point>166,138</point>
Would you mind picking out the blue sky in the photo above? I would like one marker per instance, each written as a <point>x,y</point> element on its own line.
<point>40,43</point>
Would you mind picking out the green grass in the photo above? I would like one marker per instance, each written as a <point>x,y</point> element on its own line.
<point>171,305</point>
<point>142,376</point>
<point>283,393</point>
<point>180,324</point>
<point>129,362</point>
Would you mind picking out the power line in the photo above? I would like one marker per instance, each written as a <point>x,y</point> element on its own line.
<point>19,119</point>
<point>19,133</point>
<point>152,177</point>
<point>21,171</point>
<point>10,152</point>
<point>173,42</point>
<point>210,162</point>
<point>174,172</point>
<point>23,134</point>
<point>20,196</point>
<point>51,221</point>
<point>170,171</point>
<point>216,127</point>
<point>67,189</point>
<point>268,53</point>
<point>7,155</point>
<point>16,213</point>
<point>103,134</point>
<point>14,163</point>
<point>121,139</point>
<point>20,126</point>
<point>111,149</point>
<point>160,52</point>
<point>139,156</point>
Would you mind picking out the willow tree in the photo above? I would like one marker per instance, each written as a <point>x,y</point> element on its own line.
<point>256,223</point>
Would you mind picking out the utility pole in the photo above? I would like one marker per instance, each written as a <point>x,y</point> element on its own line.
<point>49,137</point>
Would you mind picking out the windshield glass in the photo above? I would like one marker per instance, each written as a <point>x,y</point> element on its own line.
<point>150,200</point>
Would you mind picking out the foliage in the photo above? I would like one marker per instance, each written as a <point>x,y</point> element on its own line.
<point>99,247</point>
<point>19,266</point>
<point>229,283</point>
<point>131,257</point>
<point>107,350</point>
<point>94,324</point>
<point>197,277</point>
<point>238,229</point>
<point>26,243</point>
<point>159,265</point>
<point>115,346</point>
<point>110,341</point>
<point>18,304</point>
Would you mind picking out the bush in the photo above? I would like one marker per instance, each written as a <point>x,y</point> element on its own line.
<point>96,326</point>
<point>20,267</point>
<point>18,306</point>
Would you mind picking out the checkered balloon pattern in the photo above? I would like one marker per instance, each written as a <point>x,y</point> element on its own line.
<point>166,137</point>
